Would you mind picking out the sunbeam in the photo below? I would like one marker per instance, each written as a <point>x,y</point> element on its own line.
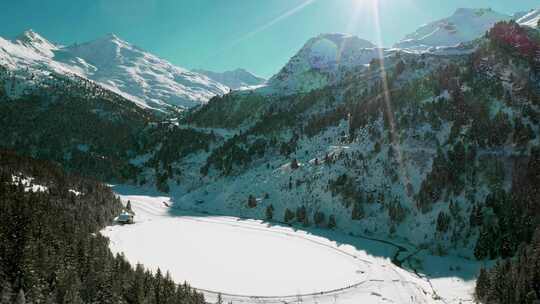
<point>265,26</point>
<point>274,21</point>
<point>394,137</point>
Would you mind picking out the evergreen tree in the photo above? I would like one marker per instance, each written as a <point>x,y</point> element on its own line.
<point>252,201</point>
<point>270,212</point>
<point>482,284</point>
<point>331,222</point>
<point>294,164</point>
<point>319,218</point>
<point>301,214</point>
<point>443,222</point>
<point>289,215</point>
<point>128,207</point>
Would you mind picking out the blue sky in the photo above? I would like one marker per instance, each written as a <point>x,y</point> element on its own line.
<point>259,35</point>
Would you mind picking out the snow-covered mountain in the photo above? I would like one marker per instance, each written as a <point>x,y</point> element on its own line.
<point>235,79</point>
<point>142,77</point>
<point>530,19</point>
<point>463,26</point>
<point>320,59</point>
<point>34,41</point>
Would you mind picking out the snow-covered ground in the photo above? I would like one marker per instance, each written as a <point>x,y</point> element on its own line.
<point>250,261</point>
<point>28,184</point>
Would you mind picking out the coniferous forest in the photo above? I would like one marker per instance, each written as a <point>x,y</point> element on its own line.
<point>52,251</point>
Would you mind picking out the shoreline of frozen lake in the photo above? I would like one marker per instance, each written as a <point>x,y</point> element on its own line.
<point>250,261</point>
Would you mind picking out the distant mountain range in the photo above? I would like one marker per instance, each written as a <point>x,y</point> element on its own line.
<point>235,79</point>
<point>328,57</point>
<point>154,83</point>
<point>116,65</point>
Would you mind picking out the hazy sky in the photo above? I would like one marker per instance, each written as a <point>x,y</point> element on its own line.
<point>259,35</point>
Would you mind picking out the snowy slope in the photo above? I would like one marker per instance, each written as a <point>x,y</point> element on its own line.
<point>236,79</point>
<point>530,19</point>
<point>463,26</point>
<point>34,41</point>
<point>320,59</point>
<point>117,65</point>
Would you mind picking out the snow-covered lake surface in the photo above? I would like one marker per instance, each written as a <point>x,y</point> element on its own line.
<point>250,261</point>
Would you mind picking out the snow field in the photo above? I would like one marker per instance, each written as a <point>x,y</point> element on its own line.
<point>249,261</point>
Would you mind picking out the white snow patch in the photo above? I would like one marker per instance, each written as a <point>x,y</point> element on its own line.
<point>28,183</point>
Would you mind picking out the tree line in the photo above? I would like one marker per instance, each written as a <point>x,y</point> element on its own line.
<point>51,250</point>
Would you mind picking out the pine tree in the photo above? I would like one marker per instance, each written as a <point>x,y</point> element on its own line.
<point>357,211</point>
<point>443,222</point>
<point>270,212</point>
<point>289,215</point>
<point>319,218</point>
<point>128,207</point>
<point>331,221</point>
<point>294,164</point>
<point>252,201</point>
<point>136,289</point>
<point>301,214</point>
<point>482,285</point>
<point>72,295</point>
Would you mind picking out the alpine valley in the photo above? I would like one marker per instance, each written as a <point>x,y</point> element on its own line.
<point>422,159</point>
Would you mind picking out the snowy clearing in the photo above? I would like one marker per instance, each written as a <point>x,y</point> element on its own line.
<point>249,261</point>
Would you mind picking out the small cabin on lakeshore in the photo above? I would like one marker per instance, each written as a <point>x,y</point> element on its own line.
<point>125,217</point>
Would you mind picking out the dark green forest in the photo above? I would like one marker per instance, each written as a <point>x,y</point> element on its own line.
<point>51,249</point>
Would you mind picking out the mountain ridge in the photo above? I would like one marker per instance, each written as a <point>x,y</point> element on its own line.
<point>117,65</point>
<point>464,25</point>
<point>235,79</point>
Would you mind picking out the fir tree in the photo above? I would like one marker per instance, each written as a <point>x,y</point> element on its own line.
<point>252,201</point>
<point>128,207</point>
<point>270,212</point>
<point>289,216</point>
<point>331,222</point>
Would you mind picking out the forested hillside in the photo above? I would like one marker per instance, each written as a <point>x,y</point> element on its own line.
<point>51,251</point>
<point>443,149</point>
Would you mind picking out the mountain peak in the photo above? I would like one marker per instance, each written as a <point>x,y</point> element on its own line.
<point>321,58</point>
<point>332,49</point>
<point>344,39</point>
<point>30,36</point>
<point>466,24</point>
<point>113,37</point>
<point>29,33</point>
<point>472,11</point>
<point>235,79</point>
<point>530,19</point>
<point>35,41</point>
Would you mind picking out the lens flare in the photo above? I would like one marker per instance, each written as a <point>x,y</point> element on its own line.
<point>265,26</point>
<point>394,136</point>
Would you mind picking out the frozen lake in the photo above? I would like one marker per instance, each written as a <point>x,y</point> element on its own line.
<point>250,261</point>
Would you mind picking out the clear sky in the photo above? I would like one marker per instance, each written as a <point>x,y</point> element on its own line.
<point>259,35</point>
